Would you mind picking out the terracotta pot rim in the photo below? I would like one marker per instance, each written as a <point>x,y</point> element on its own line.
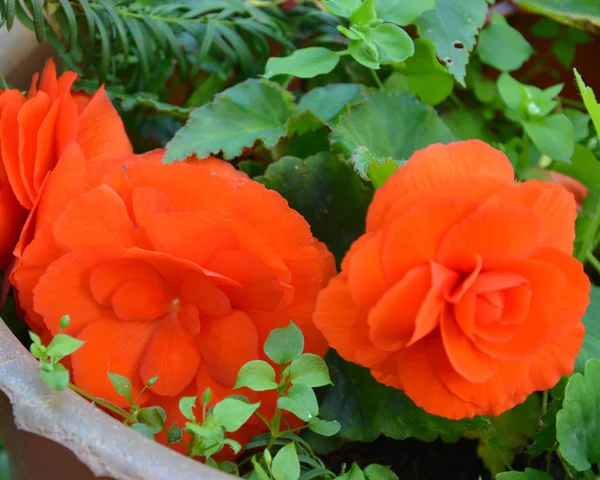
<point>107,447</point>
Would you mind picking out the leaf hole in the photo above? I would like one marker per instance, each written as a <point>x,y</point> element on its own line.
<point>448,61</point>
<point>458,45</point>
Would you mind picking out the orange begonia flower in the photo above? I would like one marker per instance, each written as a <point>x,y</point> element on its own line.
<point>463,292</point>
<point>35,131</point>
<point>179,271</point>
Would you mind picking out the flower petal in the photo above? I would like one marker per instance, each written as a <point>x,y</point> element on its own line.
<point>102,135</point>
<point>440,166</point>
<point>494,232</point>
<point>115,346</point>
<point>554,206</point>
<point>414,239</point>
<point>173,355</point>
<point>468,361</point>
<point>344,325</point>
<point>109,226</point>
<point>226,344</point>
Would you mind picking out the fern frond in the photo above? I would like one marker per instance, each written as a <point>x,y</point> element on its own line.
<point>132,42</point>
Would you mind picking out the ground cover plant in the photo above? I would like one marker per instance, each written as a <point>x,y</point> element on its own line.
<point>315,239</point>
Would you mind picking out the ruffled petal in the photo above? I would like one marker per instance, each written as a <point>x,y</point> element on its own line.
<point>494,232</point>
<point>344,325</point>
<point>553,205</point>
<point>226,344</point>
<point>440,167</point>
<point>173,355</point>
<point>102,134</point>
<point>111,345</point>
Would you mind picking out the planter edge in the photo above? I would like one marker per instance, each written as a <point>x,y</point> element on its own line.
<point>105,445</point>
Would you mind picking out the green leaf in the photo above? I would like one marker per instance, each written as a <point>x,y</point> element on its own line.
<point>587,225</point>
<point>186,406</point>
<point>564,51</point>
<point>528,474</point>
<point>144,430</point>
<point>304,63</point>
<point>259,471</point>
<point>35,338</point>
<point>579,13</point>
<point>365,53</point>
<point>503,47</point>
<point>580,121</point>
<point>427,78</point>
<point>371,168</point>
<point>130,102</point>
<point>301,401</point>
<point>232,413</point>
<point>553,135</point>
<point>544,440</point>
<point>326,428</point>
<point>545,28</point>
<point>56,377</point>
<point>153,417</point>
<point>327,193</point>
<point>284,344</point>
<point>251,168</point>
<point>452,27</point>
<point>583,166</point>
<point>257,375</point>
<point>367,409</point>
<point>259,110</point>
<point>404,12</point>
<point>355,473</point>
<point>64,322</point>
<point>286,465</point>
<point>589,99</point>
<point>376,123</point>
<point>207,396</point>
<point>302,123</point>
<point>310,370</point>
<point>174,434</point>
<point>591,341</point>
<point>392,42</point>
<point>365,14</point>
<point>342,8</point>
<point>510,91</point>
<point>578,422</point>
<point>379,472</point>
<point>511,432</point>
<point>235,446</point>
<point>121,384</point>
<point>467,124</point>
<point>327,103</point>
<point>63,345</point>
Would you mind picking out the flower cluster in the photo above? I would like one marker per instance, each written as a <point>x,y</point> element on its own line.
<point>462,292</point>
<point>177,271</point>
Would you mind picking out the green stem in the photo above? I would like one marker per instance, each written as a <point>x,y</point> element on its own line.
<point>103,403</point>
<point>572,103</point>
<point>264,420</point>
<point>293,430</point>
<point>457,101</point>
<point>275,429</point>
<point>593,261</point>
<point>565,466</point>
<point>589,475</point>
<point>377,80</point>
<point>544,402</point>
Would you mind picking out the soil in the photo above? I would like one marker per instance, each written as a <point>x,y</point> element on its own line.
<point>413,459</point>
